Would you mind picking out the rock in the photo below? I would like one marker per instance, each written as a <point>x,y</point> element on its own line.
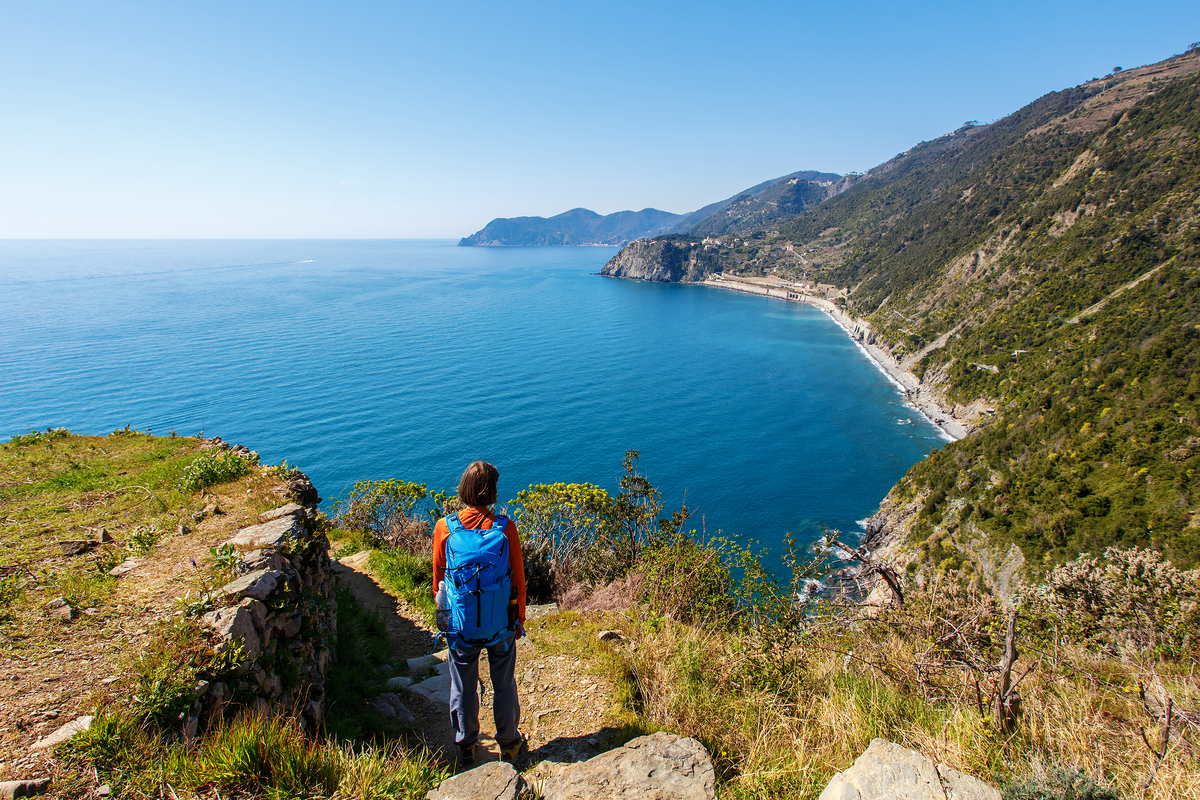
<point>272,685</point>
<point>302,491</point>
<point>290,510</point>
<point>103,537</point>
<point>212,509</point>
<point>960,786</point>
<point>422,664</point>
<point>273,534</point>
<point>233,623</point>
<point>258,612</point>
<point>887,771</point>
<point>61,610</point>
<point>533,612</point>
<point>391,706</point>
<point>182,530</point>
<point>75,726</point>
<point>76,547</point>
<point>262,559</point>
<point>287,624</point>
<point>663,766</point>
<point>103,790</point>
<point>26,788</point>
<point>399,682</point>
<point>436,689</point>
<point>125,567</point>
<point>610,636</point>
<point>259,585</point>
<point>495,779</point>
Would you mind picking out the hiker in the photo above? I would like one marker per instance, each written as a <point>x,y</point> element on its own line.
<point>479,582</point>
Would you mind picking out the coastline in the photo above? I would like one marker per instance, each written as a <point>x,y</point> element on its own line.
<point>925,400</point>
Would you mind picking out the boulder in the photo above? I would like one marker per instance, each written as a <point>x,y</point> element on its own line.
<point>124,568</point>
<point>258,612</point>
<point>233,623</point>
<point>887,771</point>
<point>390,706</point>
<point>663,766</point>
<point>259,584</point>
<point>435,689</point>
<point>75,726</point>
<point>76,547</point>
<point>494,779</point>
<point>290,510</point>
<point>399,682</point>
<point>61,610</point>
<point>422,664</point>
<point>26,788</point>
<point>275,534</point>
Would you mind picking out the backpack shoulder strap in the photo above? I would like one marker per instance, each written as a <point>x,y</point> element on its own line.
<point>500,523</point>
<point>454,524</point>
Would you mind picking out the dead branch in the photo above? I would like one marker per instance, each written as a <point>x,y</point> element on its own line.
<point>1005,705</point>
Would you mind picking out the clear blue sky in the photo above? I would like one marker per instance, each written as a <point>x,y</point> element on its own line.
<point>397,119</point>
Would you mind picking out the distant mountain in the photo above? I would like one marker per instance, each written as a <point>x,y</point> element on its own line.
<point>579,226</point>
<point>768,202</point>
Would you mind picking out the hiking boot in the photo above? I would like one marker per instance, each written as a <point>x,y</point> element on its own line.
<point>466,754</point>
<point>513,750</point>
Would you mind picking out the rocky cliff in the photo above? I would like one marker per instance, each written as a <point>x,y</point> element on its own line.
<point>667,260</point>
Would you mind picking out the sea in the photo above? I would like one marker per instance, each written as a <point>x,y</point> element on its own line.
<point>409,359</point>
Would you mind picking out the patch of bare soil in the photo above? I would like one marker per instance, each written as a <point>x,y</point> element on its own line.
<point>565,708</point>
<point>55,668</point>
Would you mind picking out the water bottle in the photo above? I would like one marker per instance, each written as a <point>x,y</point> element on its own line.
<point>443,608</point>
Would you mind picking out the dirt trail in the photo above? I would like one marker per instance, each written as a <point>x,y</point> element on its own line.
<point>565,709</point>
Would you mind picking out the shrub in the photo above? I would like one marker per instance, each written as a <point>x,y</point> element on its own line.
<point>39,437</point>
<point>211,468</point>
<point>563,522</point>
<point>384,511</point>
<point>1129,598</point>
<point>687,579</point>
<point>1059,784</point>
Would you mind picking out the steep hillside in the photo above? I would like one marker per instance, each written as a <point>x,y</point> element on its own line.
<point>1046,264</point>
<point>767,202</point>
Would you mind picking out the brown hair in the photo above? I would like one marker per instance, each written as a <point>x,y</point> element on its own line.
<point>478,484</point>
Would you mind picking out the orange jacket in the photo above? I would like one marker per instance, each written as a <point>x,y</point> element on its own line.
<point>475,517</point>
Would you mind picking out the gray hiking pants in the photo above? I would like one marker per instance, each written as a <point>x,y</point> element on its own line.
<point>464,691</point>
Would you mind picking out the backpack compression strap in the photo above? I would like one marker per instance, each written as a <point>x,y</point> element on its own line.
<point>453,524</point>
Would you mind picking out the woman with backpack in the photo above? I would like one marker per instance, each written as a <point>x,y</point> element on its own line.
<point>479,582</point>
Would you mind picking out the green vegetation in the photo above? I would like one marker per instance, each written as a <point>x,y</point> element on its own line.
<point>251,756</point>
<point>1063,259</point>
<point>214,467</point>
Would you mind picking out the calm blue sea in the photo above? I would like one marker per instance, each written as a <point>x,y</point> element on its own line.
<point>409,359</point>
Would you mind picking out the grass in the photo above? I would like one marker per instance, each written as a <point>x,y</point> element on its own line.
<point>132,745</point>
<point>251,756</point>
<point>362,646</point>
<point>406,575</point>
<point>780,719</point>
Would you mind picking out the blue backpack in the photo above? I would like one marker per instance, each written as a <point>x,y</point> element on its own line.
<point>478,583</point>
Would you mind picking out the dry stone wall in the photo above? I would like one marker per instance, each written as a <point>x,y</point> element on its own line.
<point>281,612</point>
